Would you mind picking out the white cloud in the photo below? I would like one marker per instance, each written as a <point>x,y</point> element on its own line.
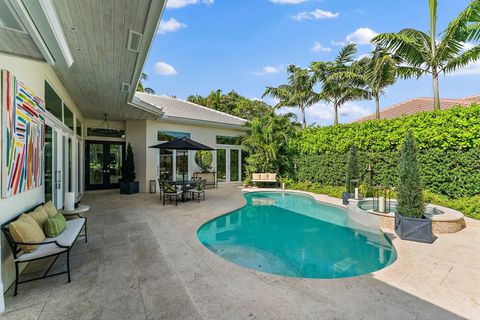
<point>317,47</point>
<point>164,69</point>
<point>352,109</point>
<point>338,43</point>
<point>316,14</point>
<point>170,25</point>
<point>469,70</point>
<point>361,36</point>
<point>287,1</point>
<point>319,113</point>
<point>175,4</point>
<point>268,70</point>
<point>468,45</point>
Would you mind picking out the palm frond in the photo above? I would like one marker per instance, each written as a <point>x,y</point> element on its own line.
<point>463,60</point>
<point>406,44</point>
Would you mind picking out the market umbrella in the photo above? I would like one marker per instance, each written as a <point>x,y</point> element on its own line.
<point>184,144</point>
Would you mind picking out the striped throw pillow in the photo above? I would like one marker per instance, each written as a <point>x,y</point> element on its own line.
<point>54,226</point>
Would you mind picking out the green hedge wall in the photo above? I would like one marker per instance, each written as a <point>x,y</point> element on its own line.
<point>448,141</point>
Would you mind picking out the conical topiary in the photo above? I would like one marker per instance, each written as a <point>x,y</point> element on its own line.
<point>410,198</point>
<point>352,168</point>
<point>128,168</point>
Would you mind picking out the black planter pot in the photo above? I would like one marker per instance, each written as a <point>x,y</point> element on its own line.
<point>129,187</point>
<point>413,229</point>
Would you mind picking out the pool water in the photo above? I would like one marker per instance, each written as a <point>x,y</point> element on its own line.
<point>294,235</point>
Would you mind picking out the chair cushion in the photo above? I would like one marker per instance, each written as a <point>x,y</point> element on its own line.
<point>50,208</point>
<point>54,226</point>
<point>39,215</point>
<point>272,176</point>
<point>263,176</point>
<point>173,193</point>
<point>256,176</point>
<point>66,238</point>
<point>26,229</point>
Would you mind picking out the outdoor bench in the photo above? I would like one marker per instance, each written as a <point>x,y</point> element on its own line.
<point>50,247</point>
<point>265,178</point>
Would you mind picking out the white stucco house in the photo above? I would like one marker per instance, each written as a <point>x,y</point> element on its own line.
<point>69,70</point>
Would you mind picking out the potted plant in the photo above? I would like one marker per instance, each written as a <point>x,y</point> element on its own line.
<point>128,185</point>
<point>410,221</point>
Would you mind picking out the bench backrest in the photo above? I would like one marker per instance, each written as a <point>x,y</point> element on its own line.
<point>6,231</point>
<point>264,176</point>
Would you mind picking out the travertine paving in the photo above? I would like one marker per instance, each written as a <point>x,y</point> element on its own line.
<point>143,261</point>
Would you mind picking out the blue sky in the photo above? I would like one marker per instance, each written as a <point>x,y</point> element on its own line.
<point>204,45</point>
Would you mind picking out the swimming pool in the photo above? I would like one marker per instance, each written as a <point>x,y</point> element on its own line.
<point>293,235</point>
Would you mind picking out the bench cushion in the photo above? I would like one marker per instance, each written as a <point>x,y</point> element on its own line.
<point>26,229</point>
<point>54,226</point>
<point>39,215</point>
<point>263,176</point>
<point>272,176</point>
<point>256,176</point>
<point>66,238</point>
<point>50,208</point>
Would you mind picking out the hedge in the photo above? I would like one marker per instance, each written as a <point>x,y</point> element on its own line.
<point>448,142</point>
<point>454,129</point>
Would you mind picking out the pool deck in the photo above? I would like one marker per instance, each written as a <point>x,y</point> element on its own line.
<point>144,261</point>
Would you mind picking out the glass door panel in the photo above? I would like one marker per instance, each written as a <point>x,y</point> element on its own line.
<point>115,163</point>
<point>182,165</point>
<point>49,182</point>
<point>221,165</point>
<point>166,165</point>
<point>95,165</point>
<point>234,165</point>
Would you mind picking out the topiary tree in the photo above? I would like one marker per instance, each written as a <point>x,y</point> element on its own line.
<point>352,168</point>
<point>128,168</point>
<point>410,197</point>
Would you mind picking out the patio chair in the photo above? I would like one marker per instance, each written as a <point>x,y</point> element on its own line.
<point>171,191</point>
<point>160,185</point>
<point>198,189</point>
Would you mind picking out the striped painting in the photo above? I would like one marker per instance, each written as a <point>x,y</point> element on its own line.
<point>23,137</point>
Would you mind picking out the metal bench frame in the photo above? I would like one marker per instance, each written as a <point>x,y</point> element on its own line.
<point>15,247</point>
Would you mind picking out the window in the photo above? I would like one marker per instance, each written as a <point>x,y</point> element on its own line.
<point>229,140</point>
<point>68,116</point>
<point>53,103</point>
<point>79,128</point>
<point>171,135</point>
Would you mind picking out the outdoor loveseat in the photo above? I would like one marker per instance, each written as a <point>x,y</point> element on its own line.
<point>50,247</point>
<point>265,178</point>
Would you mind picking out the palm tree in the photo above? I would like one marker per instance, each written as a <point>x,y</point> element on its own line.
<point>425,54</point>
<point>298,93</point>
<point>140,86</point>
<point>378,71</point>
<point>197,99</point>
<point>340,81</point>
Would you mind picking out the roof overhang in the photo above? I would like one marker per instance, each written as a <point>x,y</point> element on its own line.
<point>203,123</point>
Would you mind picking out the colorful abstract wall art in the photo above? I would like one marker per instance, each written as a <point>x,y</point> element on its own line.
<point>23,137</point>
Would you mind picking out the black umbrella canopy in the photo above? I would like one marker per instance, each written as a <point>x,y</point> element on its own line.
<point>182,144</point>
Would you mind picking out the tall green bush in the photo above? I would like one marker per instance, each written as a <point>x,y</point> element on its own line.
<point>128,168</point>
<point>352,168</point>
<point>409,189</point>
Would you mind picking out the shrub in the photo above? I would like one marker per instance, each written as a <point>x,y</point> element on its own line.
<point>128,168</point>
<point>352,169</point>
<point>410,198</point>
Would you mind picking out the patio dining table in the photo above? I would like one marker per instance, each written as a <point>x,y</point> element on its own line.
<point>184,184</point>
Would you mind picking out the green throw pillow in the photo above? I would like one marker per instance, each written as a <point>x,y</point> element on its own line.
<point>54,226</point>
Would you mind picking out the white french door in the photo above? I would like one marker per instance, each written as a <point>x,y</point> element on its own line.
<point>229,164</point>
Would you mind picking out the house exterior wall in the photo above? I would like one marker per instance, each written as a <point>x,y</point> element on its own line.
<point>33,74</point>
<point>143,134</point>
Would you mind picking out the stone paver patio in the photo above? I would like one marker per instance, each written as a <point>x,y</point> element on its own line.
<point>143,261</point>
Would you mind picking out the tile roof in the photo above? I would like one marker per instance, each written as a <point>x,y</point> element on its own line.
<point>184,110</point>
<point>416,105</point>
